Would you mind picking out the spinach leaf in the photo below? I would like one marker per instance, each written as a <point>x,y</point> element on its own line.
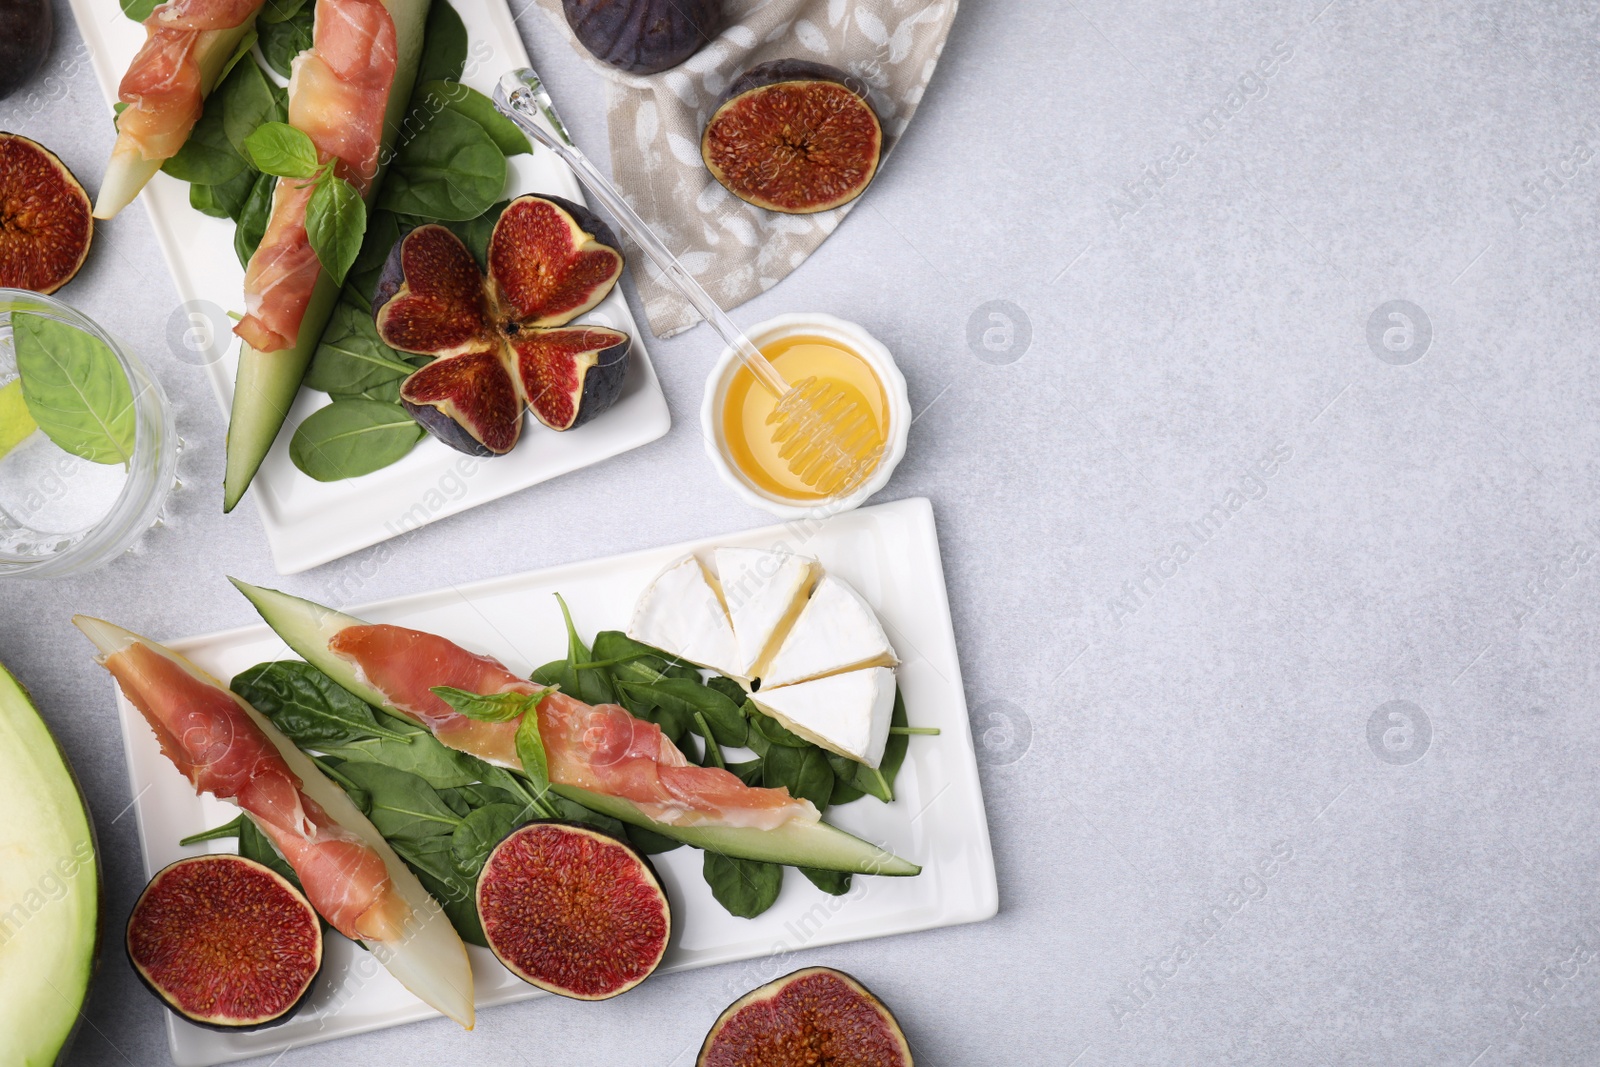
<point>682,699</point>
<point>469,103</point>
<point>572,811</point>
<point>805,771</point>
<point>438,765</point>
<point>455,896</point>
<point>487,707</point>
<point>330,766</point>
<point>479,832</point>
<point>280,149</point>
<point>649,842</point>
<point>226,830</point>
<point>452,171</point>
<point>281,11</point>
<point>579,675</point>
<point>139,10</point>
<point>771,729</point>
<point>283,39</point>
<point>444,49</point>
<point>349,438</point>
<point>745,887</point>
<point>227,200</point>
<point>74,388</point>
<point>404,807</point>
<point>728,688</point>
<point>207,157</point>
<point>383,230</point>
<point>336,220</point>
<point>312,709</point>
<point>844,778</point>
<point>248,100</point>
<point>748,772</point>
<point>640,662</point>
<point>351,358</point>
<point>252,219</point>
<point>833,883</point>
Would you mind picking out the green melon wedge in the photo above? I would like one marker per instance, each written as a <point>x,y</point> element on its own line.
<point>128,171</point>
<point>49,888</point>
<point>307,627</point>
<point>267,382</point>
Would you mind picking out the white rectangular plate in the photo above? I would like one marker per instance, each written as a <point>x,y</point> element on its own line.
<point>309,523</point>
<point>889,552</point>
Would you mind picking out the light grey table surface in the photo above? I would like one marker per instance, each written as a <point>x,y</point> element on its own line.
<point>1215,844</point>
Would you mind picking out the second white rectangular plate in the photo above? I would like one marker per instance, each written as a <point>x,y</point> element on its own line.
<point>889,552</point>
<point>307,522</point>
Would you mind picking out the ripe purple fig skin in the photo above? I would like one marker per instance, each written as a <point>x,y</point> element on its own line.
<point>27,28</point>
<point>644,36</point>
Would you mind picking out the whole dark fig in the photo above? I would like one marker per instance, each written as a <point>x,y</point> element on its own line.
<point>644,36</point>
<point>26,29</point>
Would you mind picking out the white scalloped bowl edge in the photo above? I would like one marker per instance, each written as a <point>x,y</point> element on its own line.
<point>846,335</point>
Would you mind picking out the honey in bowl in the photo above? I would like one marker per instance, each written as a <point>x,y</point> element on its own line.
<point>750,446</point>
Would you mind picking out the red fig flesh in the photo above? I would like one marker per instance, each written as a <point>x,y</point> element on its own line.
<point>225,942</point>
<point>45,219</point>
<point>813,1016</point>
<point>500,343</point>
<point>573,910</point>
<point>793,136</point>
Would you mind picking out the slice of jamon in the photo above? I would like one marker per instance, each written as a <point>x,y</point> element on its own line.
<point>208,736</point>
<point>338,95</point>
<point>350,873</point>
<point>602,749</point>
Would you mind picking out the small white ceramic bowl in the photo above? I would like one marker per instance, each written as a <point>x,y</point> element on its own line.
<point>846,335</point>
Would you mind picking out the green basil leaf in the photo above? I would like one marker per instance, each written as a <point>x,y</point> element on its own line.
<point>451,171</point>
<point>351,358</point>
<point>139,10</point>
<point>283,39</point>
<point>252,218</point>
<point>469,103</point>
<point>281,11</point>
<point>530,750</point>
<point>805,772</point>
<point>486,707</point>
<point>336,220</point>
<point>207,157</point>
<point>479,833</point>
<point>249,99</point>
<point>444,49</point>
<point>74,388</point>
<point>404,807</point>
<point>226,830</point>
<point>278,148</point>
<point>225,201</point>
<point>310,708</point>
<point>349,438</point>
<point>745,887</point>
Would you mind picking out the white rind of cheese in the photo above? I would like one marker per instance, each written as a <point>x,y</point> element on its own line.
<point>764,592</point>
<point>680,613</point>
<point>845,713</point>
<point>836,631</point>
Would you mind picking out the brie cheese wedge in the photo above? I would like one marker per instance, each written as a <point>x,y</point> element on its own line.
<point>836,631</point>
<point>845,713</point>
<point>680,613</point>
<point>765,592</point>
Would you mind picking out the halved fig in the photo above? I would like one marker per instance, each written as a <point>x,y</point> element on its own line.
<point>816,1015</point>
<point>46,222</point>
<point>793,136</point>
<point>573,910</point>
<point>225,942</point>
<point>498,341</point>
<point>643,36</point>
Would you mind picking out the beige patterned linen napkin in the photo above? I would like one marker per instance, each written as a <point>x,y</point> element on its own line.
<point>734,249</point>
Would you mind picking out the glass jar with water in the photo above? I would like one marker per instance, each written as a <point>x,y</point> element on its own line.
<point>88,451</point>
